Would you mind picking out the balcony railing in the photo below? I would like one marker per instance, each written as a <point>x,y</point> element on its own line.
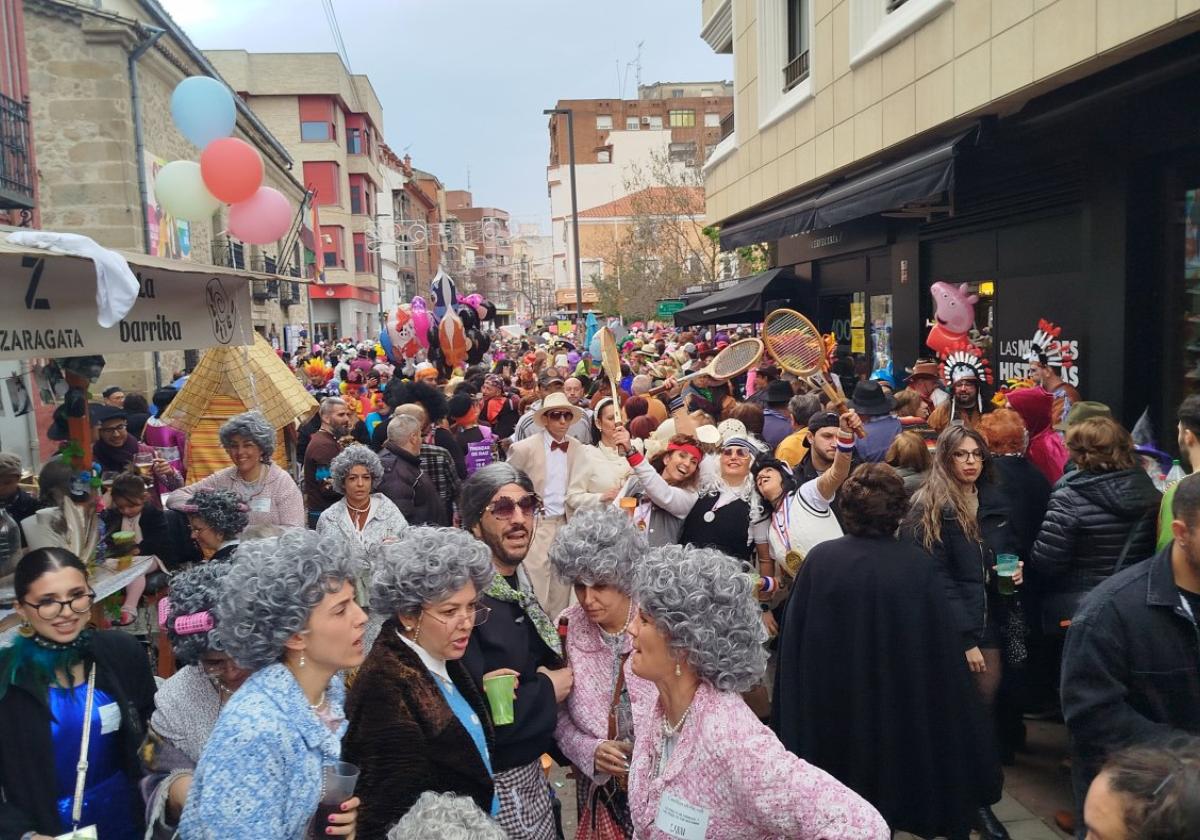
<point>796,71</point>
<point>727,125</point>
<point>16,175</point>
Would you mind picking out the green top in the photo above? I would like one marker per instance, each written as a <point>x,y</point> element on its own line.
<point>1164,518</point>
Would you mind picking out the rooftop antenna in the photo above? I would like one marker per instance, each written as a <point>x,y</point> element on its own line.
<point>468,179</point>
<point>637,65</point>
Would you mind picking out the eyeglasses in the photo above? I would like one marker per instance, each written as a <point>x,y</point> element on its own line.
<point>473,614</point>
<point>51,609</point>
<point>964,455</point>
<point>505,507</point>
<point>559,416</point>
<point>216,667</point>
<point>735,452</point>
<point>107,430</point>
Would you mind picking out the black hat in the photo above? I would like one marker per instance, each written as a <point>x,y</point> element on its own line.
<point>779,392</point>
<point>112,389</point>
<point>823,420</point>
<point>103,413</point>
<point>870,399</point>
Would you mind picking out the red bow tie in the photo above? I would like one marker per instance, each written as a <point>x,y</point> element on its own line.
<point>556,445</point>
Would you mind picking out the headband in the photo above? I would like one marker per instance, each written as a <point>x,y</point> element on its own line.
<point>193,509</point>
<point>185,625</point>
<point>694,451</point>
<point>740,441</point>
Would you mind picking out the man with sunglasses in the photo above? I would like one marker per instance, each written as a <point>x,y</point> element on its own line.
<point>549,460</point>
<point>499,506</point>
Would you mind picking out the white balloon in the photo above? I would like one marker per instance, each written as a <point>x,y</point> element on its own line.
<point>179,188</point>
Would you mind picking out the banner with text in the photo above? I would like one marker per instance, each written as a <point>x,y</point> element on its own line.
<point>48,308</point>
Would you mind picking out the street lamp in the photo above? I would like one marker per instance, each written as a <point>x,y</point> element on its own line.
<point>574,212</point>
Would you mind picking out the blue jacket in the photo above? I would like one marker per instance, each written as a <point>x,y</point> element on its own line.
<point>260,773</point>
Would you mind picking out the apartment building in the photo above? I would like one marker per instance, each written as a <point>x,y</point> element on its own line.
<point>1042,152</point>
<point>486,231</point>
<point>331,122</point>
<point>533,272</point>
<point>624,146</point>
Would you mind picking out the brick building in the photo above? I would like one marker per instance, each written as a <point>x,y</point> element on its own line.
<point>624,146</point>
<point>487,230</point>
<point>331,122</point>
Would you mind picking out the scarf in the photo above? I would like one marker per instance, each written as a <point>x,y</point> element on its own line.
<point>35,663</point>
<point>116,458</point>
<point>501,591</point>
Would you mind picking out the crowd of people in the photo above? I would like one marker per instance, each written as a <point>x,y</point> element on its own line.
<point>733,608</point>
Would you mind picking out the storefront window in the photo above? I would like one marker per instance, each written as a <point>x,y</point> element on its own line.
<point>881,331</point>
<point>1191,281</point>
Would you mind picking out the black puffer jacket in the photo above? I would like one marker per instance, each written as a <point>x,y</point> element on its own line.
<point>965,563</point>
<point>1087,522</point>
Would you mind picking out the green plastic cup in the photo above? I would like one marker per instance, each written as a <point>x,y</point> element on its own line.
<point>499,691</point>
<point>1006,567</point>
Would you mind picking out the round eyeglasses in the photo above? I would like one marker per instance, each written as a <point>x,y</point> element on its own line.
<point>49,609</point>
<point>474,615</point>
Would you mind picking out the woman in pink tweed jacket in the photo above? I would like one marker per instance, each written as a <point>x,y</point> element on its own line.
<point>703,765</point>
<point>595,553</point>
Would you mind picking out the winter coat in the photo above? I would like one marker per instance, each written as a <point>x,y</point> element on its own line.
<point>1131,666</point>
<point>405,738</point>
<point>1027,492</point>
<point>967,563</point>
<point>1087,522</point>
<point>409,487</point>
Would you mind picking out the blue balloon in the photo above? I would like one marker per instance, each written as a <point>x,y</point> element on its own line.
<point>203,110</point>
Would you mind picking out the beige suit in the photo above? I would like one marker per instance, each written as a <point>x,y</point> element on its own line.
<point>529,456</point>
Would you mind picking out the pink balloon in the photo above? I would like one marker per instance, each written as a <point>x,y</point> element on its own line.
<point>262,218</point>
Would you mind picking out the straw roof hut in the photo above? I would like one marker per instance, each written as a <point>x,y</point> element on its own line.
<point>226,382</point>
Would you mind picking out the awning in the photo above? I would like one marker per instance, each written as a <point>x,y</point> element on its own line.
<point>742,303</point>
<point>918,177</point>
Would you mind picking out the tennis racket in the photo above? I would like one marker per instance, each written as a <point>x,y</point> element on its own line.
<point>797,346</point>
<point>610,361</point>
<point>734,360</point>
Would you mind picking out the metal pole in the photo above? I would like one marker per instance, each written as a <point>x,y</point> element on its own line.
<point>575,225</point>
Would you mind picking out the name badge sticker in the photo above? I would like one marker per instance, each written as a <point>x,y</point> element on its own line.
<point>261,505</point>
<point>678,818</point>
<point>110,718</point>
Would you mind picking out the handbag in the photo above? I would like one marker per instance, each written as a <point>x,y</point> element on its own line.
<point>1058,608</point>
<point>88,832</point>
<point>605,814</point>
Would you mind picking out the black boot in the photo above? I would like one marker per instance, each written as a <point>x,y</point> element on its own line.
<point>988,826</point>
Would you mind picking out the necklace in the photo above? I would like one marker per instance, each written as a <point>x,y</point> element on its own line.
<point>669,731</point>
<point>353,509</point>
<point>613,637</point>
<point>317,706</point>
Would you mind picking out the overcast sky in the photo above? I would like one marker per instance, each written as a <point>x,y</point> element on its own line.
<point>463,82</point>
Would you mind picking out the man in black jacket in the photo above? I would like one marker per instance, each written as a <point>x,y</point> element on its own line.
<point>404,481</point>
<point>1131,667</point>
<point>499,507</point>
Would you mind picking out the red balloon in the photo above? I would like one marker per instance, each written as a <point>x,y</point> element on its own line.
<point>232,169</point>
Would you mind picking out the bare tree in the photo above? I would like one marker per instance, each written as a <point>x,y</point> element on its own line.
<point>660,245</point>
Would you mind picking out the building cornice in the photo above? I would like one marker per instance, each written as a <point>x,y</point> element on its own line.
<point>718,29</point>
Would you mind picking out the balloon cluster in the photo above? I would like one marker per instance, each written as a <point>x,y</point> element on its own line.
<point>230,170</point>
<point>449,335</point>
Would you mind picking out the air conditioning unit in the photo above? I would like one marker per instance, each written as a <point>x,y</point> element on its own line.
<point>645,121</point>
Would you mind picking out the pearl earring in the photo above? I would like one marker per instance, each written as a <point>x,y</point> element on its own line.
<point>678,673</point>
<point>302,662</point>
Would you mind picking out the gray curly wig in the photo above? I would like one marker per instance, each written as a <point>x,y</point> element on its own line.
<point>425,566</point>
<point>223,510</point>
<point>704,603</point>
<point>446,816</point>
<point>194,590</point>
<point>598,546</point>
<point>355,455</point>
<point>478,490</point>
<point>252,426</point>
<point>271,589</point>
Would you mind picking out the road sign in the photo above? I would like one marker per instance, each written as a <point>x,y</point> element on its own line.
<point>667,308</point>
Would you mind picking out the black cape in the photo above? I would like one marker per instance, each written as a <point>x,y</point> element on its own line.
<point>872,686</point>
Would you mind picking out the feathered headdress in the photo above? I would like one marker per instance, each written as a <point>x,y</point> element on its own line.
<point>313,367</point>
<point>1046,348</point>
<point>967,363</point>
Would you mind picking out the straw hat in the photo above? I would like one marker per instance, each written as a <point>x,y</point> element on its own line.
<point>557,402</point>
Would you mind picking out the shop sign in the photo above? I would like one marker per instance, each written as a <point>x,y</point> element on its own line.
<point>50,310</point>
<point>1061,350</point>
<point>829,242</point>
